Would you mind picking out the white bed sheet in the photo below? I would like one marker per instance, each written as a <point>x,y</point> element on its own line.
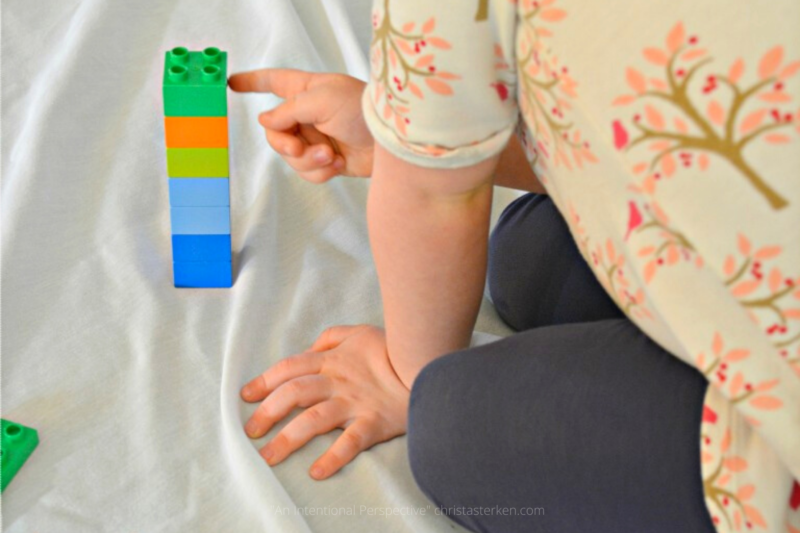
<point>132,384</point>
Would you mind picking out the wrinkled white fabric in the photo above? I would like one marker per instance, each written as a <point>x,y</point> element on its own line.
<point>133,384</point>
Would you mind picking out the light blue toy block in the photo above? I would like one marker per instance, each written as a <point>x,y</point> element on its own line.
<point>199,192</point>
<point>200,220</point>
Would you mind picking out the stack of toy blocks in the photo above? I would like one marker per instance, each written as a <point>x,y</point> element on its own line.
<point>17,443</point>
<point>196,127</point>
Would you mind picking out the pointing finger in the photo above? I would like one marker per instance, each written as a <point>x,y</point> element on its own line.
<point>282,82</point>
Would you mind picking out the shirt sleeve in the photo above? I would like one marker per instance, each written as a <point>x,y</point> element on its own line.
<point>442,87</point>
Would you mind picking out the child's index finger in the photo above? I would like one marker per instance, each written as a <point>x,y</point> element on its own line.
<point>282,82</point>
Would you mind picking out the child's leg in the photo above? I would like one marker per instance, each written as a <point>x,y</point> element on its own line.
<point>536,275</point>
<point>593,423</point>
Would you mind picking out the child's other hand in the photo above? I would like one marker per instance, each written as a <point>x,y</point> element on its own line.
<point>319,129</point>
<point>345,380</point>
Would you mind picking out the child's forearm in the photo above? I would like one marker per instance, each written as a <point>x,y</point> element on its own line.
<point>514,171</point>
<point>428,231</point>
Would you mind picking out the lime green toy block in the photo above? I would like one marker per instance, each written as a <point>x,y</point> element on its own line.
<point>16,445</point>
<point>197,162</point>
<point>195,83</point>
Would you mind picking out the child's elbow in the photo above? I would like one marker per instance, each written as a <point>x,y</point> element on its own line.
<point>445,183</point>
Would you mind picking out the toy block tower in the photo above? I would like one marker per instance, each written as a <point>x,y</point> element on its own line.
<point>17,442</point>
<point>196,127</point>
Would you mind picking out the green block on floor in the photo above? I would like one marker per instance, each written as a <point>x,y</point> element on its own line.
<point>195,83</point>
<point>197,162</point>
<point>17,442</point>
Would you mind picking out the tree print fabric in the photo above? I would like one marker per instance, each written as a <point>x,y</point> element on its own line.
<point>668,135</point>
<point>422,86</point>
<point>703,128</point>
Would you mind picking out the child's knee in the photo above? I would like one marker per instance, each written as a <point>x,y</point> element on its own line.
<point>536,274</point>
<point>436,427</point>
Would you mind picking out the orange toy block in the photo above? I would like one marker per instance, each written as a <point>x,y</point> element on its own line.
<point>196,132</point>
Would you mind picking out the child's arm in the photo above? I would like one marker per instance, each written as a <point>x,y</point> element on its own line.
<point>428,230</point>
<point>305,126</point>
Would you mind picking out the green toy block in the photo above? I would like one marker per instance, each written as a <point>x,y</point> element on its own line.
<point>195,83</point>
<point>197,162</point>
<point>16,445</point>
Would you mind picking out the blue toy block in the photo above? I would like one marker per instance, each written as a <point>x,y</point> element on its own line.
<point>201,220</point>
<point>201,248</point>
<point>203,274</point>
<point>199,192</point>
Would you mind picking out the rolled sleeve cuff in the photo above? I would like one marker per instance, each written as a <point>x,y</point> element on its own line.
<point>431,155</point>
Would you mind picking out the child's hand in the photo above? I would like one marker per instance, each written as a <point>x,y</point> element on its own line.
<point>345,380</point>
<point>319,129</point>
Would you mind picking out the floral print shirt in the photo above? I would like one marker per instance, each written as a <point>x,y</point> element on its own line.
<point>668,135</point>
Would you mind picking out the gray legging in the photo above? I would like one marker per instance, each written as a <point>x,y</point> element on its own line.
<point>577,423</point>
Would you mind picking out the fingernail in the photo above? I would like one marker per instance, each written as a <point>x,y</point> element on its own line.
<point>267,454</point>
<point>316,472</point>
<point>250,428</point>
<point>247,390</point>
<point>322,157</point>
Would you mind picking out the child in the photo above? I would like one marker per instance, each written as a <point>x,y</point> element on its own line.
<point>662,398</point>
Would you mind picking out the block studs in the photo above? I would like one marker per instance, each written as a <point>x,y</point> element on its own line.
<point>211,55</point>
<point>17,442</point>
<point>178,73</point>
<point>211,74</point>
<point>179,55</point>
